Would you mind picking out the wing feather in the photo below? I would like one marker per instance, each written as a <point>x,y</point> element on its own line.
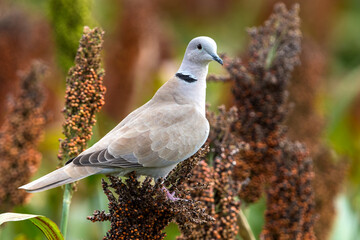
<point>103,158</point>
<point>94,156</point>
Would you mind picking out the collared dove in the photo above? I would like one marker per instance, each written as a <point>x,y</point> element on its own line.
<point>154,138</point>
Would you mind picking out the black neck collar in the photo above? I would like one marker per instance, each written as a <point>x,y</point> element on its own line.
<point>186,78</point>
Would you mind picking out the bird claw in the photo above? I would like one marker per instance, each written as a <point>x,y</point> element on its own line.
<point>170,196</point>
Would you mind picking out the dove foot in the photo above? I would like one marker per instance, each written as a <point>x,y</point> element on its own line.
<point>170,196</point>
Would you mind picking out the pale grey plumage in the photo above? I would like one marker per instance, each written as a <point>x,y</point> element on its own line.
<point>154,138</point>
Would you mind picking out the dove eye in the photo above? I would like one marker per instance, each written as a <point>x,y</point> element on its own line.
<point>199,46</point>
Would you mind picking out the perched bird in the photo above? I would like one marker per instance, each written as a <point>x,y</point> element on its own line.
<point>154,138</point>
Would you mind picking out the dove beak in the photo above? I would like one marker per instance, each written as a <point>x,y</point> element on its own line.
<point>217,58</point>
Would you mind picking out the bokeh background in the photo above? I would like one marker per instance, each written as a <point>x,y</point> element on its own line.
<point>144,44</point>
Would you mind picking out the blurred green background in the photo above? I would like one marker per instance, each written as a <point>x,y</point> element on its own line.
<point>152,36</point>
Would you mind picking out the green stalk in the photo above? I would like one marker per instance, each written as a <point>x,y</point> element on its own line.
<point>244,227</point>
<point>66,209</point>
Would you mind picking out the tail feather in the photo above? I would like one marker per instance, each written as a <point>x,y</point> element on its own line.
<point>67,174</point>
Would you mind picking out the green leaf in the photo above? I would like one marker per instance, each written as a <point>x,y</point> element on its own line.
<point>48,227</point>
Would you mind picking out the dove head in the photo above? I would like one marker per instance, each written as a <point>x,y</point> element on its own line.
<point>191,76</point>
<point>201,51</point>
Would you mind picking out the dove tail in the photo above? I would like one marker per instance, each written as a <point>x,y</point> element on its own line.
<point>67,174</point>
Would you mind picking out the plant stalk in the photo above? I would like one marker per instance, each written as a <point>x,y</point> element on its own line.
<point>66,209</point>
<point>244,227</point>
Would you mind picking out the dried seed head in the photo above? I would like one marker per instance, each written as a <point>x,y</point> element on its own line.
<point>141,210</point>
<point>84,94</point>
<point>19,138</point>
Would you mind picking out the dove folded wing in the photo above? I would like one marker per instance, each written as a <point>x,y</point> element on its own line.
<point>162,137</point>
<point>152,139</point>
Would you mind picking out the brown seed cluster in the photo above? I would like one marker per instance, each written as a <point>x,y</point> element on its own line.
<point>141,210</point>
<point>290,198</point>
<point>19,138</point>
<point>270,162</point>
<point>260,93</point>
<point>84,94</point>
<point>330,173</point>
